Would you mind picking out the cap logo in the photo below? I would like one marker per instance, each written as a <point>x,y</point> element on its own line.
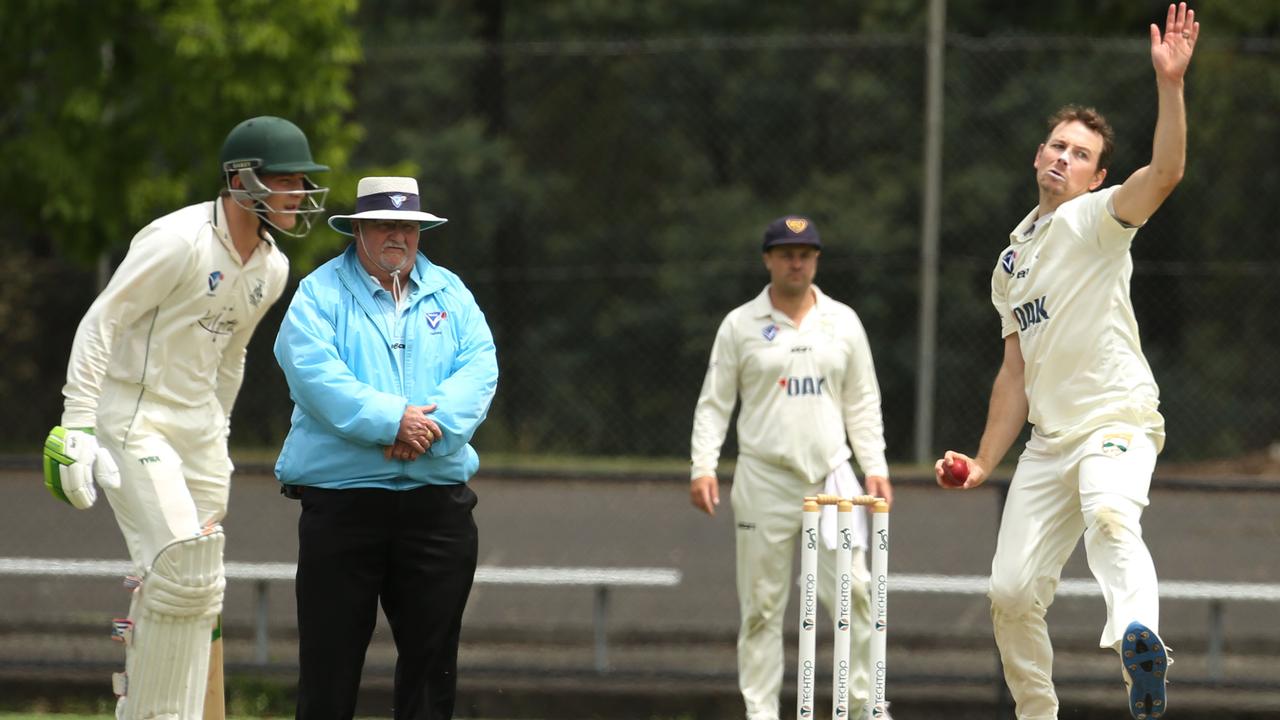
<point>387,201</point>
<point>797,225</point>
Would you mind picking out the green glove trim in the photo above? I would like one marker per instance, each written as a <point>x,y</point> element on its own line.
<point>52,480</point>
<point>55,458</point>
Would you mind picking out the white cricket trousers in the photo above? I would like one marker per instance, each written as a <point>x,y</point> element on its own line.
<point>1096,486</point>
<point>175,475</point>
<point>767,508</point>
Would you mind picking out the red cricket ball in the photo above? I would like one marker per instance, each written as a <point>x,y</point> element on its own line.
<point>955,475</point>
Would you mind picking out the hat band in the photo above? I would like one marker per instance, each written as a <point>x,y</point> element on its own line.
<point>388,201</point>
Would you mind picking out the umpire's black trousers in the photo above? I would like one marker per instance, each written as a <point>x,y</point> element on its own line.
<point>415,550</point>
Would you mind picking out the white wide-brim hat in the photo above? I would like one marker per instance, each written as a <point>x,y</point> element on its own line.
<point>387,198</point>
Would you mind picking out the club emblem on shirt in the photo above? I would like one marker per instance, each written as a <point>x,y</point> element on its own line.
<point>215,277</point>
<point>1116,444</point>
<point>435,317</point>
<point>770,332</point>
<point>1006,262</point>
<point>255,296</point>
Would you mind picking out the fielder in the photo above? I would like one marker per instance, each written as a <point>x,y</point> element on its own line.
<point>1073,366</point>
<point>154,371</point>
<point>801,364</point>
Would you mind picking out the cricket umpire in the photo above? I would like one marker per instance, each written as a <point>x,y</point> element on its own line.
<point>392,368</point>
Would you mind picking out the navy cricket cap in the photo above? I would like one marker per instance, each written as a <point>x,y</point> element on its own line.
<point>791,230</point>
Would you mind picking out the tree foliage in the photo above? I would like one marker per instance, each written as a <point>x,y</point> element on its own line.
<point>116,110</point>
<point>607,168</point>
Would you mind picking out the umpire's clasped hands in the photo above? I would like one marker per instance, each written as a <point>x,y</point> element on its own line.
<point>417,433</point>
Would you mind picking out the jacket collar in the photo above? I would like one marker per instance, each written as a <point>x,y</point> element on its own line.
<point>424,273</point>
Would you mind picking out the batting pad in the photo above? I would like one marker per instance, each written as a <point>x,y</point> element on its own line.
<point>168,663</point>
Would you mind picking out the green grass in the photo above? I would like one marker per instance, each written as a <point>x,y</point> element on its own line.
<point>51,716</point>
<point>87,715</point>
<point>110,716</point>
<point>248,698</point>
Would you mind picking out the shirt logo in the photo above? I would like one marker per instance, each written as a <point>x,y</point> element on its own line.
<point>215,324</point>
<point>770,332</point>
<point>1116,444</point>
<point>215,277</point>
<point>1006,262</point>
<point>435,317</point>
<point>1031,313</point>
<point>397,200</point>
<point>255,296</point>
<point>797,386</point>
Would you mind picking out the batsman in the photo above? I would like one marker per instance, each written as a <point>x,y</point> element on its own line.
<point>155,368</point>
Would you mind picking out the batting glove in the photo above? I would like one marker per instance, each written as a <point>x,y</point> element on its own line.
<point>72,461</point>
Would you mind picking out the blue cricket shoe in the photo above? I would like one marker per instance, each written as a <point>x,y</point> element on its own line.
<point>1146,662</point>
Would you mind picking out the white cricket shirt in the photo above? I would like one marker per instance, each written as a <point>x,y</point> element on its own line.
<point>176,316</point>
<point>803,390</point>
<point>1064,288</point>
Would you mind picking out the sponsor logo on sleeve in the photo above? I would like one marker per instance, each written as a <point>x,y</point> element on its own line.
<point>1116,444</point>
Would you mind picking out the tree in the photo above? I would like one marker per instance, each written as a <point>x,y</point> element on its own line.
<point>116,111</point>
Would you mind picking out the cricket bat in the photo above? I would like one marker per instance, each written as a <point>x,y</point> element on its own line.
<point>215,696</point>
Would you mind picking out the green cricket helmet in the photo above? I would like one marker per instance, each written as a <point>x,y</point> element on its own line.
<point>269,145</point>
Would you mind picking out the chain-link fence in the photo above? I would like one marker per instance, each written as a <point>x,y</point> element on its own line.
<point>606,202</point>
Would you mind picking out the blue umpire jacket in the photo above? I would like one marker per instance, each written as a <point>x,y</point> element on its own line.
<point>350,391</point>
